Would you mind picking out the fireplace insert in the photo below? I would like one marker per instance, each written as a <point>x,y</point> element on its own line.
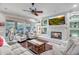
<point>57,35</point>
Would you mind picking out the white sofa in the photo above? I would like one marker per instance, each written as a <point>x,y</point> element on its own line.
<point>68,47</point>
<point>31,35</point>
<point>5,50</point>
<point>20,38</point>
<point>75,47</point>
<point>15,49</point>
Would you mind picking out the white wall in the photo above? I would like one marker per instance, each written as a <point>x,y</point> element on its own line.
<point>59,28</point>
<point>62,29</point>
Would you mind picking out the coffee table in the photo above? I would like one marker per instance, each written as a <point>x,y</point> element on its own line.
<point>36,46</point>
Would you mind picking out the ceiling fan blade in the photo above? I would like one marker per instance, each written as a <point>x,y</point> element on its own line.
<point>35,13</point>
<point>39,11</point>
<point>27,10</point>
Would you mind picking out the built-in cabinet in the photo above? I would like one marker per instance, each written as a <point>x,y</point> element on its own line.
<point>74,24</point>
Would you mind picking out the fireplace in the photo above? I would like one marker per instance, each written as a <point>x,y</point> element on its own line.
<point>57,35</point>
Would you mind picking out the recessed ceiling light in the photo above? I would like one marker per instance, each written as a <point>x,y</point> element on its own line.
<point>75,5</point>
<point>5,8</point>
<point>33,20</point>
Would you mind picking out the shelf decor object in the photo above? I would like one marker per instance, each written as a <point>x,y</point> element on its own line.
<point>74,25</point>
<point>44,30</point>
<point>44,22</point>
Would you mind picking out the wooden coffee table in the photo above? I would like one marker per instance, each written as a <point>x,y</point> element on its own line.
<point>36,46</point>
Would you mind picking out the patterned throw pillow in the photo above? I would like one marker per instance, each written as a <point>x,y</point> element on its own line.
<point>1,42</point>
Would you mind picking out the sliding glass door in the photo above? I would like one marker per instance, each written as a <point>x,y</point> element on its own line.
<point>16,28</point>
<point>10,30</point>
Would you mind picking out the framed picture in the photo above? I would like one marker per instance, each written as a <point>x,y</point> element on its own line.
<point>58,20</point>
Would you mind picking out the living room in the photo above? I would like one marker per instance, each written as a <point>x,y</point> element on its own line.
<point>39,28</point>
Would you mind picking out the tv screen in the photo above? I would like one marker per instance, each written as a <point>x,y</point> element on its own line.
<point>59,20</point>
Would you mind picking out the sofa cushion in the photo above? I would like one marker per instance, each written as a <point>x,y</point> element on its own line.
<point>5,50</point>
<point>14,46</point>
<point>75,50</point>
<point>71,50</point>
<point>19,50</point>
<point>69,45</point>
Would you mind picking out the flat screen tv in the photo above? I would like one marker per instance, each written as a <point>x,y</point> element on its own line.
<point>59,20</point>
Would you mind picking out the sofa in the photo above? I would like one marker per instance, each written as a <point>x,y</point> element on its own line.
<point>68,47</point>
<point>15,49</point>
<point>20,37</point>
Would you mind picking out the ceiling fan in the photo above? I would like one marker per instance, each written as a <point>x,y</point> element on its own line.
<point>33,10</point>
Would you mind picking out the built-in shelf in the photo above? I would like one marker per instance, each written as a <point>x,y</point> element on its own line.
<point>74,26</point>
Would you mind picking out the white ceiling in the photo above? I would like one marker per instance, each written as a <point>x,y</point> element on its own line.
<point>47,8</point>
